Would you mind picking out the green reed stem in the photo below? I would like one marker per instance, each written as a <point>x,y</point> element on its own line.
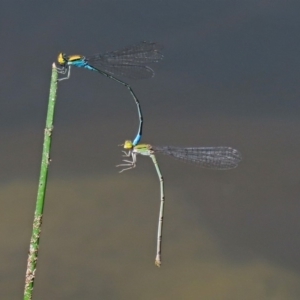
<point>38,215</point>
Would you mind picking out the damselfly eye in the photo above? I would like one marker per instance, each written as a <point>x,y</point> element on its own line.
<point>62,58</point>
<point>128,145</point>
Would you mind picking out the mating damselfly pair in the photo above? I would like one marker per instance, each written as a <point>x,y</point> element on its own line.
<point>132,62</point>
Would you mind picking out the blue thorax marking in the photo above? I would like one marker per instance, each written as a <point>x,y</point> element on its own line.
<point>81,64</point>
<point>78,63</point>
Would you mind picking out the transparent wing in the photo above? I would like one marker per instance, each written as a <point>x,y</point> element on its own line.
<point>129,71</point>
<point>219,158</point>
<point>129,62</point>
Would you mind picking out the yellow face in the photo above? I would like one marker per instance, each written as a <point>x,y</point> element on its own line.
<point>128,144</point>
<point>61,58</point>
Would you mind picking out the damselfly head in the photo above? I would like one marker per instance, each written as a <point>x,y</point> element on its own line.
<point>128,144</point>
<point>62,58</point>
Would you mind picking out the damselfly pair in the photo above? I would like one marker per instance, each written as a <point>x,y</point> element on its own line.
<point>132,62</point>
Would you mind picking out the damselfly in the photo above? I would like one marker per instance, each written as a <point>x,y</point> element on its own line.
<point>219,158</point>
<point>130,62</point>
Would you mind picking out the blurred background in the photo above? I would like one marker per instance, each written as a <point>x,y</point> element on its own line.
<point>229,78</point>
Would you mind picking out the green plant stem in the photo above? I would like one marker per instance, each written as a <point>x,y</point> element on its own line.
<point>38,215</point>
